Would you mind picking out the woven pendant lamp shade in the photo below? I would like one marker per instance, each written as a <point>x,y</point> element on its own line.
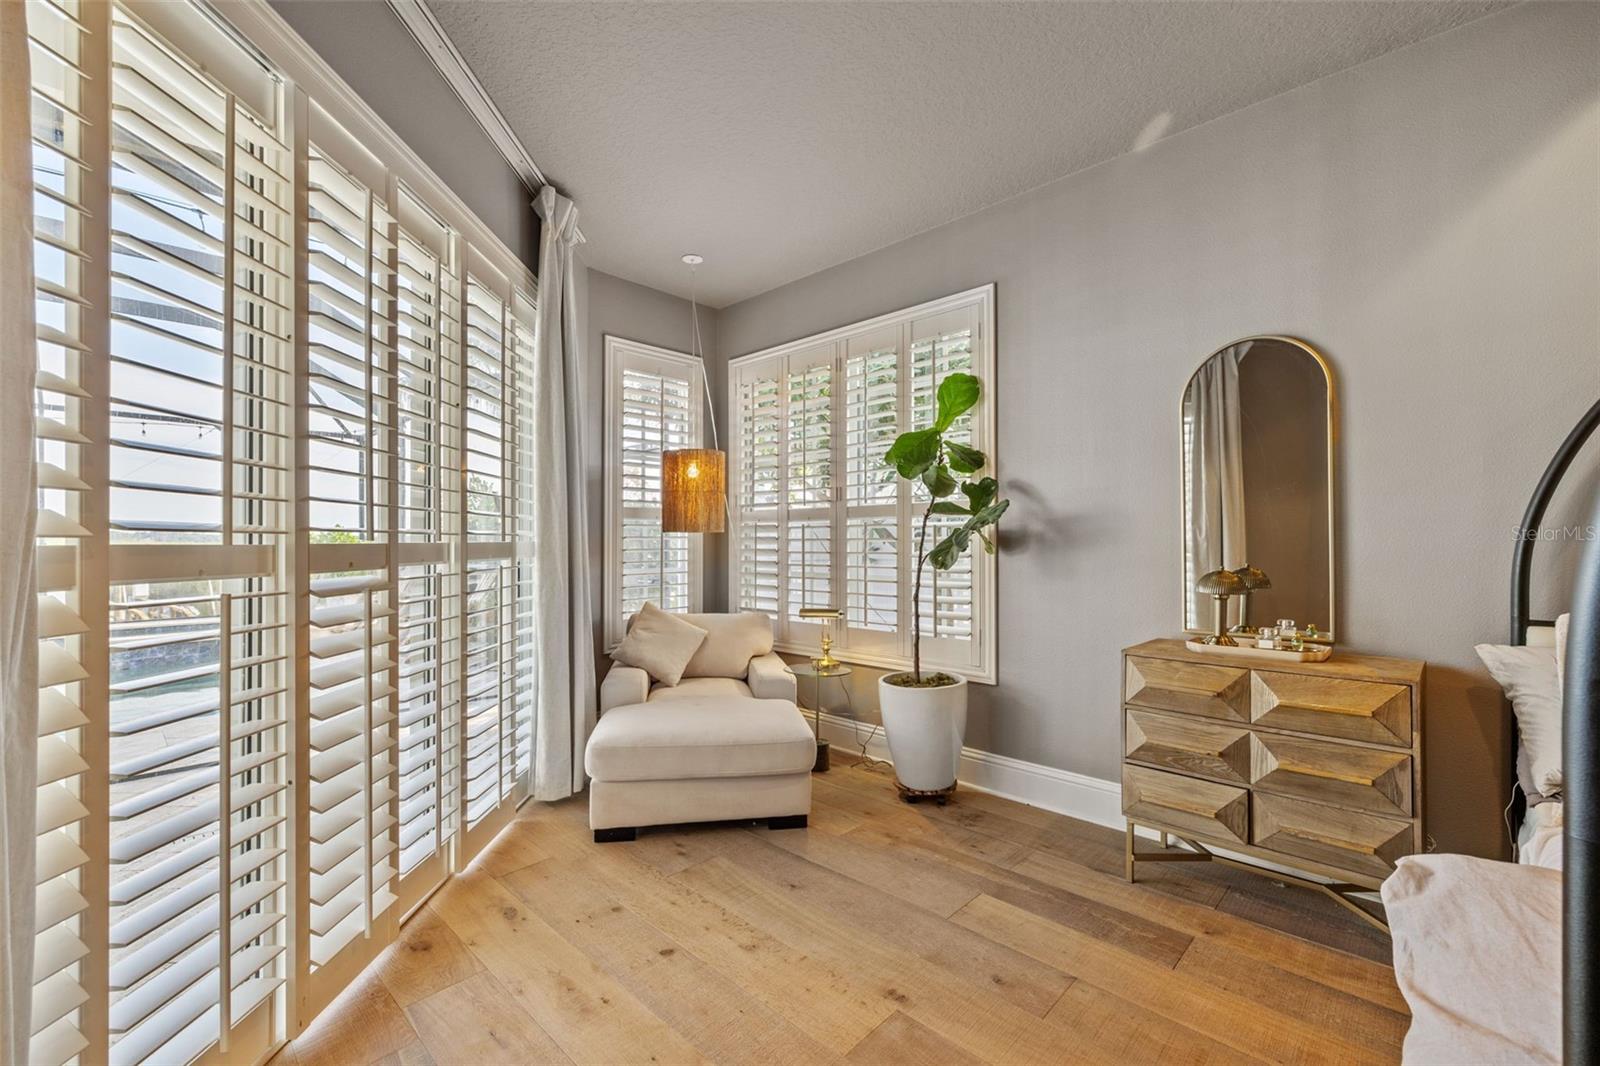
<point>694,486</point>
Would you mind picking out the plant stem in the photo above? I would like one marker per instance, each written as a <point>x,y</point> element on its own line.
<point>916,597</point>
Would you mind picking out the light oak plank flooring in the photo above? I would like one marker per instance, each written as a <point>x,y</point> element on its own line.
<point>982,932</point>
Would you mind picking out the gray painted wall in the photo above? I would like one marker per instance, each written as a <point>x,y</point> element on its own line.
<point>371,49</point>
<point>636,313</point>
<point>1429,220</point>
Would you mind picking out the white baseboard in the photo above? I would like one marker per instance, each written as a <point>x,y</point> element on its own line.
<point>1090,799</point>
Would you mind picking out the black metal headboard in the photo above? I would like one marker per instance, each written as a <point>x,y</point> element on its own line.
<point>1522,567</point>
<point>1580,756</point>
<point>1580,843</point>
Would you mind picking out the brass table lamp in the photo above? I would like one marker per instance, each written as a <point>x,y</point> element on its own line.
<point>1254,580</point>
<point>1219,585</point>
<point>826,616</point>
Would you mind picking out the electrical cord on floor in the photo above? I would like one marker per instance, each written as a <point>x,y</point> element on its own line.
<point>867,761</point>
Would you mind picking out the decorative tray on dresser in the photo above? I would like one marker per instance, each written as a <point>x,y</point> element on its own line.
<point>1316,767</point>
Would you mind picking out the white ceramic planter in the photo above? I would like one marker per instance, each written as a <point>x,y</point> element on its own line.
<point>925,728</point>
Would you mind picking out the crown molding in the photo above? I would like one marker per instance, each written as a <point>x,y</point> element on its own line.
<point>452,66</point>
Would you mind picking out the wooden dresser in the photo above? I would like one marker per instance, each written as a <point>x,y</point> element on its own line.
<point>1313,766</point>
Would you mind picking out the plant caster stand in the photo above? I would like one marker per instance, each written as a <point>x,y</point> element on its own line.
<point>941,796</point>
<point>1340,892</point>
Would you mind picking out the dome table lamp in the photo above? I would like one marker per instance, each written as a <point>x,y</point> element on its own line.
<point>1255,580</point>
<point>1219,585</point>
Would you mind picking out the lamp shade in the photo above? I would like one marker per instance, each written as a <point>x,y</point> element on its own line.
<point>694,486</point>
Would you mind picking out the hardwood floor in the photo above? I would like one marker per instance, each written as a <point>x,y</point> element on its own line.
<point>982,932</point>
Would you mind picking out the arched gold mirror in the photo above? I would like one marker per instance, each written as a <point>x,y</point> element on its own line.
<point>1258,444</point>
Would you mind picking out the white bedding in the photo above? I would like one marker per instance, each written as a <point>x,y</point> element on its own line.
<point>1477,954</point>
<point>1539,839</point>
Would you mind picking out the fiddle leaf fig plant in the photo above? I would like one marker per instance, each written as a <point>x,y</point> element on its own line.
<point>945,468</point>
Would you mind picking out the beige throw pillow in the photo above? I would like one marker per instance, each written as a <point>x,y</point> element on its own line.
<point>660,644</point>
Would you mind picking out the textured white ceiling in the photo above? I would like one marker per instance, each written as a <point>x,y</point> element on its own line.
<point>777,139</point>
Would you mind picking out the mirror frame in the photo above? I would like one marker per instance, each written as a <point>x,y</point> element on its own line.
<point>1323,637</point>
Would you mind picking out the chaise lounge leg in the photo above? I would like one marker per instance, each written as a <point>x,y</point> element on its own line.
<point>611,836</point>
<point>788,821</point>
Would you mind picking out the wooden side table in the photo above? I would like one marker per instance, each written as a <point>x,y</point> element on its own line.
<point>817,677</point>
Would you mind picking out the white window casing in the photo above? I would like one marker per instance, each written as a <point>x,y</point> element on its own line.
<point>820,521</point>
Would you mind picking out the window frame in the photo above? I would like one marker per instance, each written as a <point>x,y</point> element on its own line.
<point>975,659</point>
<point>620,354</point>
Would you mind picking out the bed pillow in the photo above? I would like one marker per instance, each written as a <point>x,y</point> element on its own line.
<point>660,644</point>
<point>1528,678</point>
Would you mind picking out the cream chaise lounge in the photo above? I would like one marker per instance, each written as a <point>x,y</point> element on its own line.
<point>727,742</point>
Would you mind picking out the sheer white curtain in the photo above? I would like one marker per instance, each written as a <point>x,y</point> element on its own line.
<point>566,687</point>
<point>19,648</point>
<point>1213,490</point>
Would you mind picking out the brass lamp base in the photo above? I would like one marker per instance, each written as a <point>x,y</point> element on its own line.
<point>941,796</point>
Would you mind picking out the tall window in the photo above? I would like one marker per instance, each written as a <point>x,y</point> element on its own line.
<point>286,614</point>
<point>653,404</point>
<point>820,521</point>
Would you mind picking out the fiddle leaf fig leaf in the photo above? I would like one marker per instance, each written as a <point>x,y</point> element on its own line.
<point>988,516</point>
<point>980,493</point>
<point>948,551</point>
<point>957,395</point>
<point>965,460</point>
<point>913,453</point>
<point>946,507</point>
<point>939,481</point>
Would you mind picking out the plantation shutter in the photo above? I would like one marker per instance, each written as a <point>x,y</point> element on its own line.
<point>488,670</point>
<point>198,694</point>
<point>349,400</point>
<point>61,134</point>
<point>871,557</point>
<point>524,350</point>
<point>655,404</point>
<point>427,320</point>
<point>941,345</point>
<point>807,523</point>
<point>757,472</point>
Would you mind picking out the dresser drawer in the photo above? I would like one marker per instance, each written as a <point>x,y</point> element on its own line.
<point>1364,844</point>
<point>1166,685</point>
<point>1332,706</point>
<point>1187,744</point>
<point>1372,779</point>
<point>1203,808</point>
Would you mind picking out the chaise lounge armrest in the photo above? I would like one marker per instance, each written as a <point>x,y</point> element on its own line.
<point>623,685</point>
<point>769,680</point>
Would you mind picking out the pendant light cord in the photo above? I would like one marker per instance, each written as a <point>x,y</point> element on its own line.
<point>699,353</point>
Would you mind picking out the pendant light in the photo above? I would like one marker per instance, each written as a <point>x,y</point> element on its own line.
<point>694,481</point>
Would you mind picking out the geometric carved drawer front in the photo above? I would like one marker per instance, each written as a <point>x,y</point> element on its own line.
<point>1348,840</point>
<point>1210,811</point>
<point>1189,745</point>
<point>1369,778</point>
<point>1332,706</point>
<point>1213,691</point>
